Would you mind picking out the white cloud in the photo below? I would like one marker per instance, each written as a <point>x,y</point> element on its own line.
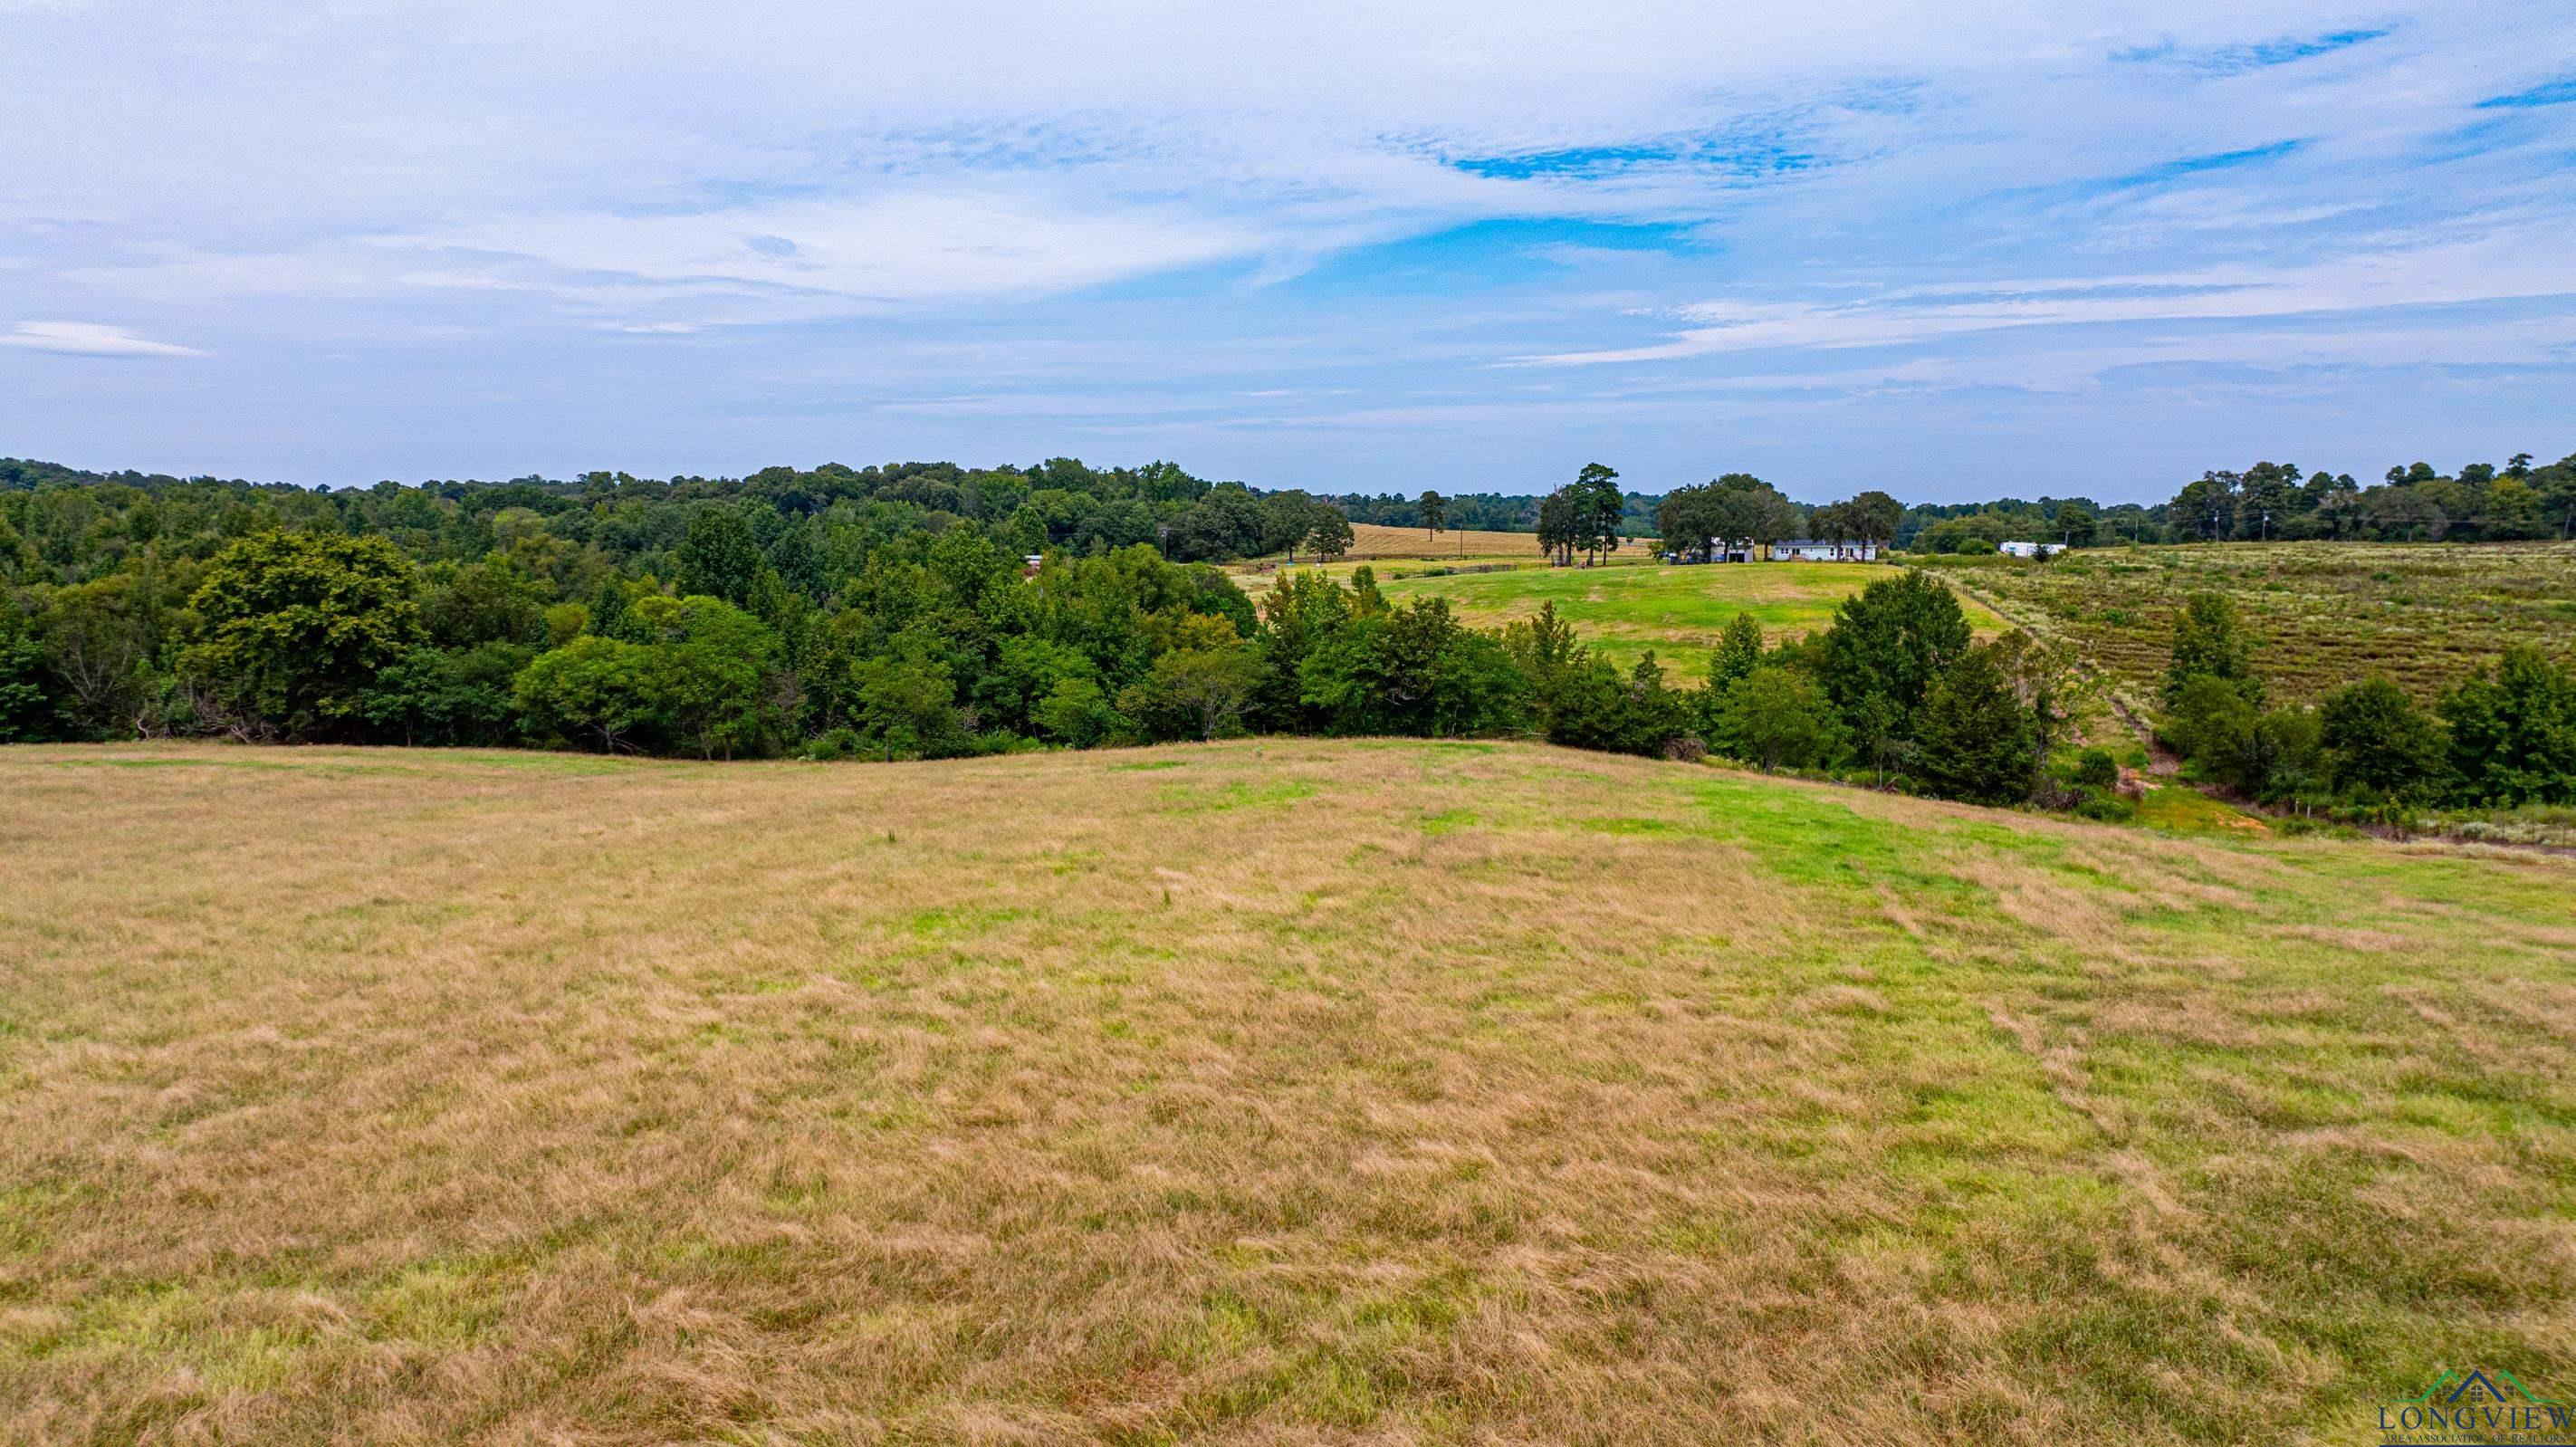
<point>903,247</point>
<point>800,211</point>
<point>2504,265</point>
<point>89,339</point>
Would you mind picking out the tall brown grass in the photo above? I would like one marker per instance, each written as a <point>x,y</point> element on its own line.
<point>1261,1092</point>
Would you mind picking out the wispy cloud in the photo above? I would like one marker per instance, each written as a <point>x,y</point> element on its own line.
<point>2553,93</point>
<point>2533,267</point>
<point>89,339</point>
<point>2258,55</point>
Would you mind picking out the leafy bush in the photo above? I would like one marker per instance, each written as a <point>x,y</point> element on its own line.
<point>2096,770</point>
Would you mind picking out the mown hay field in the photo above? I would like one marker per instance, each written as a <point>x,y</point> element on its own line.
<point>1379,544</point>
<point>1297,1092</point>
<point>2320,614</point>
<point>1376,540</point>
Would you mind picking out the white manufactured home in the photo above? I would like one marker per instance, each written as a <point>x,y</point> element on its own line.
<point>1818,550</point>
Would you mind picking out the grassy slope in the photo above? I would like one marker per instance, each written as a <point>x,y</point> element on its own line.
<point>2322,614</point>
<point>1676,611</point>
<point>1254,1092</point>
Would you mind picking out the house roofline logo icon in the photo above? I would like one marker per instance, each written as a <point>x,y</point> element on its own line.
<point>2455,1386</point>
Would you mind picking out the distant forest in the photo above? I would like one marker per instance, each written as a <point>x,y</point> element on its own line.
<point>891,612</point>
<point>2265,502</point>
<point>1062,503</point>
<point>894,612</point>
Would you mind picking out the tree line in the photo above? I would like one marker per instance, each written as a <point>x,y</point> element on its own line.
<point>885,615</point>
<point>2481,503</point>
<point>45,511</point>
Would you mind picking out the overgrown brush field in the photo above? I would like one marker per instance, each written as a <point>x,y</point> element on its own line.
<point>2321,614</point>
<point>1256,1092</point>
<point>1676,611</point>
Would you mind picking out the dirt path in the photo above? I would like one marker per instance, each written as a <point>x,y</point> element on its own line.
<point>2162,761</point>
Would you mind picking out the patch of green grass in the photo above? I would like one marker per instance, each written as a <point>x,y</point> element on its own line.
<point>1234,794</point>
<point>1677,612</point>
<point>2179,806</point>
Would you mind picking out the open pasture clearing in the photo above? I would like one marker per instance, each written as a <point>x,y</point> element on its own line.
<point>1678,612</point>
<point>1379,544</point>
<point>1257,1092</point>
<point>2320,614</point>
<point>1377,540</point>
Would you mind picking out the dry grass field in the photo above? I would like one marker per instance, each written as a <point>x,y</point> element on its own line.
<point>1266,1092</point>
<point>1378,543</point>
<point>2321,614</point>
<point>1376,540</point>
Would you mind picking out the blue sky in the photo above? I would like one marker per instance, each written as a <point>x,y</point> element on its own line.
<point>1950,251</point>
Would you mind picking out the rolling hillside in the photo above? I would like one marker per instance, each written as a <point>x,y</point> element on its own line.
<point>1274,1091</point>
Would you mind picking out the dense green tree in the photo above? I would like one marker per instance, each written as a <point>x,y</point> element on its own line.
<point>2268,499</point>
<point>2268,754</point>
<point>464,605</point>
<point>2076,524</point>
<point>462,696</point>
<point>1875,517</point>
<point>694,675</point>
<point>1435,511</point>
<point>1687,519</point>
<point>2097,771</point>
<point>1411,670</point>
<point>1286,520</point>
<point>2285,757</point>
<point>1298,617</point>
<point>295,627</point>
<point>2513,731</point>
<point>1597,507</point>
<point>1559,526</point>
<point>720,558</point>
<point>798,561</point>
<point>1328,534</point>
<point>1976,739</point>
<point>1227,523</point>
<point>1888,643</point>
<point>26,711</point>
<point>1077,712</point>
<point>1775,717</point>
<point>101,642</point>
<point>2206,509</point>
<point>2209,642</point>
<point>2210,719</point>
<point>1545,654</point>
<point>908,706</point>
<point>592,689</point>
<point>1738,651</point>
<point>1658,715</point>
<point>717,676</point>
<point>1197,692</point>
<point>2378,742</point>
